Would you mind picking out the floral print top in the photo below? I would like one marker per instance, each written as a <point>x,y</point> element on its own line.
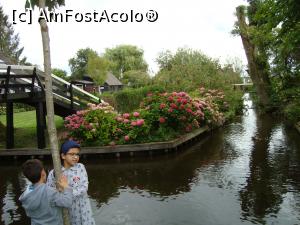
<point>81,212</point>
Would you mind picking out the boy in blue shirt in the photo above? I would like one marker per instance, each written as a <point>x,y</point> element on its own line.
<point>42,203</point>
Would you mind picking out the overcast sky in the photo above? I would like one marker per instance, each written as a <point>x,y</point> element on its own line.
<point>203,25</point>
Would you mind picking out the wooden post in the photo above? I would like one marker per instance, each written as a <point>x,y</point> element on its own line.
<point>40,125</point>
<point>6,91</point>
<point>32,81</point>
<point>71,95</point>
<point>9,125</point>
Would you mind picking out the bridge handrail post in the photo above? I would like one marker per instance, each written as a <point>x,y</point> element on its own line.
<point>71,95</point>
<point>7,82</point>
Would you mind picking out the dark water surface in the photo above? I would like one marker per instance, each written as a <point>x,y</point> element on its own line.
<point>245,173</point>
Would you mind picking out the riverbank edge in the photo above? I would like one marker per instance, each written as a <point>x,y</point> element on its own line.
<point>115,149</point>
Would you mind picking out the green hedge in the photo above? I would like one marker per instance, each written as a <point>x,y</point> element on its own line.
<point>18,107</point>
<point>129,99</point>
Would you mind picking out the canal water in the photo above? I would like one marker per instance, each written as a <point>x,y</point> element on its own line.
<point>245,173</point>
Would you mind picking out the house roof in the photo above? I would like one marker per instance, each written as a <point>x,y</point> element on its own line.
<point>112,80</point>
<point>82,82</point>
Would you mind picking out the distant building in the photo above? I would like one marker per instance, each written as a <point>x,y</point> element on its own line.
<point>87,84</point>
<point>111,84</point>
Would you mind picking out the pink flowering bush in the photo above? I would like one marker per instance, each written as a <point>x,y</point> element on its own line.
<point>131,128</point>
<point>94,125</point>
<point>176,110</point>
<point>215,106</point>
<point>162,116</point>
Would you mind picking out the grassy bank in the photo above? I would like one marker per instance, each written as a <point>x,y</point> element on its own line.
<point>25,129</point>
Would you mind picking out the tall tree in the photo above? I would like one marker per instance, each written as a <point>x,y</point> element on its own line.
<point>271,39</point>
<point>78,64</point>
<point>60,73</point>
<point>256,56</point>
<point>51,4</point>
<point>9,42</point>
<point>125,58</point>
<point>97,68</point>
<point>278,22</point>
<point>136,78</point>
<point>187,69</point>
<point>88,62</point>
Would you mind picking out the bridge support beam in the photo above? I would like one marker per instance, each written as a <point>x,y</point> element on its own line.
<point>9,125</point>
<point>40,125</point>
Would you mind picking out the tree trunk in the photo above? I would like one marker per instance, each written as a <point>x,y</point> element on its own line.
<point>257,72</point>
<point>49,104</point>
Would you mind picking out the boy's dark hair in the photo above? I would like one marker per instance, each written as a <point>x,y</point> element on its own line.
<point>32,170</point>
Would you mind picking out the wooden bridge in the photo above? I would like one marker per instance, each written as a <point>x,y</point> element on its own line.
<point>243,87</point>
<point>26,84</point>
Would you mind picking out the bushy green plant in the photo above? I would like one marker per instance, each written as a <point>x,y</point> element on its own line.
<point>129,99</point>
<point>92,126</point>
<point>161,116</point>
<point>132,128</point>
<point>177,110</point>
<point>292,112</point>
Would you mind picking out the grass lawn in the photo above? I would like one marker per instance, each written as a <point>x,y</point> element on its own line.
<point>25,129</point>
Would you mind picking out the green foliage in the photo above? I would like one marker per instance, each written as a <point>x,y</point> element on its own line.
<point>292,112</point>
<point>18,107</point>
<point>125,58</point>
<point>51,4</point>
<point>78,64</point>
<point>9,42</point>
<point>97,68</point>
<point>136,78</point>
<point>88,62</point>
<point>95,125</point>
<point>129,99</point>
<point>275,28</point>
<point>105,125</point>
<point>228,101</point>
<point>189,69</point>
<point>176,110</point>
<point>161,116</point>
<point>60,73</point>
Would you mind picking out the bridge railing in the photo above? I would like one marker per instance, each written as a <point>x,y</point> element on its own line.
<point>63,91</point>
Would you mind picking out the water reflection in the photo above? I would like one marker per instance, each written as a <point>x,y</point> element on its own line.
<point>11,186</point>
<point>245,173</point>
<point>268,184</point>
<point>160,177</point>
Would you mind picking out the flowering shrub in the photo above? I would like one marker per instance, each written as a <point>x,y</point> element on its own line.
<point>215,96</point>
<point>131,128</point>
<point>161,116</point>
<point>96,124</point>
<point>215,106</point>
<point>176,110</point>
